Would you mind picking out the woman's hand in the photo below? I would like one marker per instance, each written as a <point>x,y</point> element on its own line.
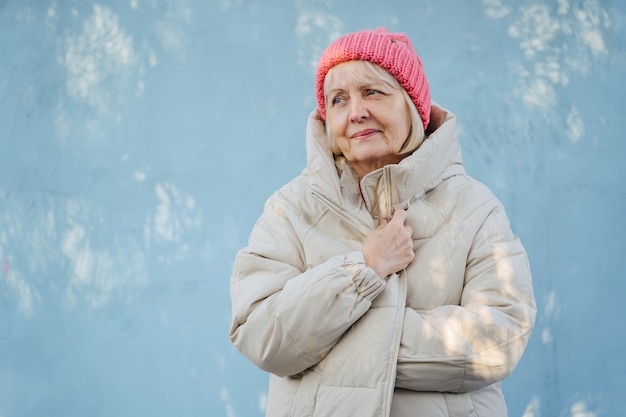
<point>389,248</point>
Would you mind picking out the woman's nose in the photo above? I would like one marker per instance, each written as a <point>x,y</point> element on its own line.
<point>358,110</point>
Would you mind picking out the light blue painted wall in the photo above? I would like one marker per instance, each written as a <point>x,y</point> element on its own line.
<point>140,138</point>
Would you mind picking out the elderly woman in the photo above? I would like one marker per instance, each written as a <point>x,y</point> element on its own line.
<point>383,280</point>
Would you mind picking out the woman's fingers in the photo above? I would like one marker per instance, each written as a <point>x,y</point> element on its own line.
<point>389,248</point>
<point>399,216</point>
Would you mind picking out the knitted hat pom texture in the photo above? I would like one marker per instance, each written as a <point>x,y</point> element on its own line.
<point>392,51</point>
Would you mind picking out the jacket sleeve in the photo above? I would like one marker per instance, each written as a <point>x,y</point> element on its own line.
<point>459,348</point>
<point>287,317</point>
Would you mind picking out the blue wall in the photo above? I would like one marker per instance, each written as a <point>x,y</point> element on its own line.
<point>140,138</point>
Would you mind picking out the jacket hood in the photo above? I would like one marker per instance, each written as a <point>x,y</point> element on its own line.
<point>390,187</point>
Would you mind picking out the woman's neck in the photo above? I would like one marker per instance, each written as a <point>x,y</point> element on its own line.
<point>362,168</point>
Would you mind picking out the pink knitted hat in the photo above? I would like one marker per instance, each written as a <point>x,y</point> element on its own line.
<point>392,51</point>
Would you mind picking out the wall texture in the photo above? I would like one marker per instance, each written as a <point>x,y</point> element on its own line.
<point>140,138</point>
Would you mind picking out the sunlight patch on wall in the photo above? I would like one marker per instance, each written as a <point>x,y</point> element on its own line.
<point>175,214</point>
<point>52,10</point>
<point>555,42</point>
<point>27,297</point>
<point>172,213</point>
<point>97,273</point>
<point>170,29</point>
<point>13,285</point>
<point>494,9</point>
<point>139,176</point>
<point>551,70</point>
<point>315,29</point>
<point>536,29</point>
<point>24,253</point>
<point>575,125</point>
<point>546,337</point>
<point>225,397</point>
<point>550,304</point>
<point>172,39</point>
<point>101,67</point>
<point>532,408</point>
<point>579,409</point>
<point>262,401</point>
<point>101,51</point>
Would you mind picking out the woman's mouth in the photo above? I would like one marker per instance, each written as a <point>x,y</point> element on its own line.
<point>364,134</point>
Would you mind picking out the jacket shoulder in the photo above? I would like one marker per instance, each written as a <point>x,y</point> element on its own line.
<point>462,192</point>
<point>294,194</point>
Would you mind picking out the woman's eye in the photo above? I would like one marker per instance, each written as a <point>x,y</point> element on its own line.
<point>372,92</point>
<point>336,100</point>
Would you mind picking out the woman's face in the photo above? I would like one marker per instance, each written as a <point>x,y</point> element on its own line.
<point>368,119</point>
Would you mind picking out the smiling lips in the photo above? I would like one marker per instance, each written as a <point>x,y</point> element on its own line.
<point>364,134</point>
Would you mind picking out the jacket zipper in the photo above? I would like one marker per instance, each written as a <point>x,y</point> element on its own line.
<point>388,194</point>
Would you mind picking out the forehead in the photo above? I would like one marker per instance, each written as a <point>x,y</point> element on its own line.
<point>354,73</point>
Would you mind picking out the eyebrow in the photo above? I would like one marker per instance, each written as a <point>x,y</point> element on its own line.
<point>362,86</point>
<point>335,90</point>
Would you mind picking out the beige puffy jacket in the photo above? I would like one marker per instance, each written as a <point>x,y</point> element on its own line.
<point>432,340</point>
